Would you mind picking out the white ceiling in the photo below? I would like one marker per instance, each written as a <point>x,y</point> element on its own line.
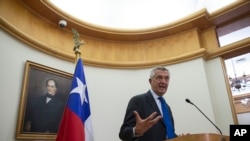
<point>135,14</point>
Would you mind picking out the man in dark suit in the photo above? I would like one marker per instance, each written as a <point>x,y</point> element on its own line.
<point>46,112</point>
<point>143,120</point>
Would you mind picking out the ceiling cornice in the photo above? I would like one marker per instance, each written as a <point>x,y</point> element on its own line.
<point>201,19</point>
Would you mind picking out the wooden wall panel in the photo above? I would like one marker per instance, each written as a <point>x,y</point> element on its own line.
<point>44,35</point>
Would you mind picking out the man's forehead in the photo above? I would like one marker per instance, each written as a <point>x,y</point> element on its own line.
<point>51,82</point>
<point>161,72</point>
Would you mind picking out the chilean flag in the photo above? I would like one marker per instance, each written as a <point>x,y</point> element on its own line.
<point>76,124</point>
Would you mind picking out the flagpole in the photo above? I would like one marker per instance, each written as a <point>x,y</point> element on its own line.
<point>76,124</point>
<point>77,45</point>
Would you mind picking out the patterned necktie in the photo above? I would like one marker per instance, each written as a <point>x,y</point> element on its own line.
<point>167,119</point>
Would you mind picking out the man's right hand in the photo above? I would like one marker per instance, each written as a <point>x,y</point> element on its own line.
<point>142,125</point>
<point>28,126</point>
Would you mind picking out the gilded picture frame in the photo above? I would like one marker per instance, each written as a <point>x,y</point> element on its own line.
<point>35,85</point>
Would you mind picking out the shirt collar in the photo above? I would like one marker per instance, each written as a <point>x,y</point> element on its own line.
<point>154,94</point>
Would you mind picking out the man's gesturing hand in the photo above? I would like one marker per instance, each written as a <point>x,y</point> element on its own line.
<point>142,125</point>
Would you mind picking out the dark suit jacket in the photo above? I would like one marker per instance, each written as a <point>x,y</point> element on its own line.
<point>145,105</point>
<point>46,117</point>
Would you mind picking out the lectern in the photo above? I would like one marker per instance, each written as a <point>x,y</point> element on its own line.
<point>202,137</point>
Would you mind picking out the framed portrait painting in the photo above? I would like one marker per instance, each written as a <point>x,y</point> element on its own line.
<point>43,98</point>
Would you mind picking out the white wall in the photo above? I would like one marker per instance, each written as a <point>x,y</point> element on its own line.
<point>219,95</point>
<point>110,91</point>
<point>13,56</point>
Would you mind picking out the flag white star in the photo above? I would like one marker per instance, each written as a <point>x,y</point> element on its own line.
<point>81,90</point>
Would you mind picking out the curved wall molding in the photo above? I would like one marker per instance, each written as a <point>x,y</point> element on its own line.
<point>189,38</point>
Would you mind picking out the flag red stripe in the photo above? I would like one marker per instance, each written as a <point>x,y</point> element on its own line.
<point>71,128</point>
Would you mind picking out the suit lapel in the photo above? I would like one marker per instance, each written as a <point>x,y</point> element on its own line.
<point>153,105</point>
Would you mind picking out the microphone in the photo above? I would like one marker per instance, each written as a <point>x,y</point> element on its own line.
<point>188,101</point>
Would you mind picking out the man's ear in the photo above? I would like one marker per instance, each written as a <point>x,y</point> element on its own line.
<point>149,80</point>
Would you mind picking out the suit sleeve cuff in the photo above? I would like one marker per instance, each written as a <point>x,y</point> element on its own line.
<point>134,134</point>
